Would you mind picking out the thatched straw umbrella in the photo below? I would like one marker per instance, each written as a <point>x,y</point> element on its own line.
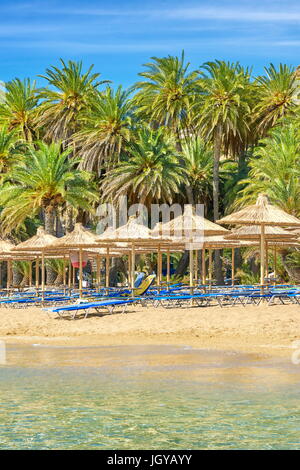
<point>98,253</point>
<point>136,235</point>
<point>216,242</point>
<point>190,229</point>
<point>263,214</point>
<point>79,239</point>
<point>253,232</point>
<point>37,244</point>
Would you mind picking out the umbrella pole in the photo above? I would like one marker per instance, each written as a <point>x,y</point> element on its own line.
<point>267,261</point>
<point>191,268</point>
<point>43,275</point>
<point>70,275</point>
<point>196,266</point>
<point>209,267</point>
<point>80,273</point>
<point>129,269</point>
<point>158,266</point>
<point>107,269</point>
<point>98,273</point>
<point>232,266</point>
<point>275,264</point>
<point>64,275</point>
<point>8,281</point>
<point>73,276</point>
<point>168,267</point>
<point>203,267</point>
<point>37,274</point>
<point>30,273</point>
<point>132,268</point>
<point>262,255</point>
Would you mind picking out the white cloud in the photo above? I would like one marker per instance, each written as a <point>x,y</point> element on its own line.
<point>146,46</point>
<point>235,14</point>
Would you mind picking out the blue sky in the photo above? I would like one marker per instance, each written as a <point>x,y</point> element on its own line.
<point>121,35</point>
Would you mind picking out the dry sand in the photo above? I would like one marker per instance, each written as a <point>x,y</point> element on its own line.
<point>257,329</point>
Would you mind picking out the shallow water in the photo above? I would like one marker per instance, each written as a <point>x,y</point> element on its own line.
<point>154,397</point>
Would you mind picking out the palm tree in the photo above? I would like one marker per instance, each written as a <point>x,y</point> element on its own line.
<point>45,180</point>
<point>21,273</point>
<point>274,170</point>
<point>10,148</point>
<point>198,161</point>
<point>106,128</point>
<point>150,170</point>
<point>68,96</point>
<point>165,97</point>
<point>18,110</point>
<point>277,96</point>
<point>223,110</point>
<point>2,92</point>
<point>222,113</point>
<point>57,266</point>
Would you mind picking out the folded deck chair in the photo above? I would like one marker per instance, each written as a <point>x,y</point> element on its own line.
<point>137,291</point>
<point>139,279</point>
<point>144,286</point>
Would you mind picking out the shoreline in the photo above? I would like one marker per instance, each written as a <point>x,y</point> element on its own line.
<point>204,343</point>
<point>261,330</point>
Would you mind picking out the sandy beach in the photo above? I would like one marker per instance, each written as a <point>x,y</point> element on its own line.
<point>257,329</point>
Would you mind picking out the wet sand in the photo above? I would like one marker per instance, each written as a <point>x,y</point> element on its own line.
<point>266,331</point>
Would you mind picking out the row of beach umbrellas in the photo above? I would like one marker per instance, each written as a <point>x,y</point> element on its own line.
<point>258,223</point>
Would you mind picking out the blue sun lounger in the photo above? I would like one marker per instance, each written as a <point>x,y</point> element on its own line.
<point>107,305</point>
<point>17,302</point>
<point>292,296</point>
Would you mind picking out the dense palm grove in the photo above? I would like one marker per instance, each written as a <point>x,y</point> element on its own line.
<point>217,135</point>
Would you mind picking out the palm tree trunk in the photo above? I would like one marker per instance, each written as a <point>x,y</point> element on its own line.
<point>182,264</point>
<point>16,276</point>
<point>216,181</point>
<point>50,217</point>
<point>216,178</point>
<point>293,271</point>
<point>69,217</point>
<point>189,194</point>
<point>59,279</point>
<point>25,280</point>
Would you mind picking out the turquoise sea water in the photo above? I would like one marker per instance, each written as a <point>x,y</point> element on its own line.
<point>146,397</point>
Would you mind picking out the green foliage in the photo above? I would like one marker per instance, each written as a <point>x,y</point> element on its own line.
<point>278,93</point>
<point>225,102</point>
<point>274,170</point>
<point>11,148</point>
<point>166,96</point>
<point>68,95</point>
<point>198,162</point>
<point>106,128</point>
<point>149,170</point>
<point>46,178</point>
<point>216,136</point>
<point>19,108</point>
